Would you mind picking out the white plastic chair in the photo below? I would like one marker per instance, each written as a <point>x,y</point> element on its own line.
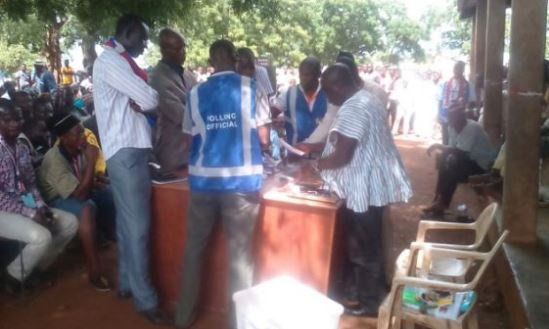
<point>392,313</point>
<point>453,270</point>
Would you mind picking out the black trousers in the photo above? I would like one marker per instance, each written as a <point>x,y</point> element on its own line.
<point>445,133</point>
<point>365,275</point>
<point>451,173</point>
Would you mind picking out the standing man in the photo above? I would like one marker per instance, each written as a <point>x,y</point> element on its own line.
<point>45,79</point>
<point>227,128</point>
<point>304,105</point>
<point>121,97</point>
<point>362,165</point>
<point>23,79</point>
<point>67,75</point>
<point>172,82</point>
<point>456,90</point>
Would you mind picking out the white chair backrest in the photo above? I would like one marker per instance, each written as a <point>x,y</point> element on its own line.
<point>489,256</point>
<point>483,223</point>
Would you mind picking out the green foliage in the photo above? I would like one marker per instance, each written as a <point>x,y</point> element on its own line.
<point>29,32</point>
<point>455,33</point>
<point>12,56</point>
<point>308,27</point>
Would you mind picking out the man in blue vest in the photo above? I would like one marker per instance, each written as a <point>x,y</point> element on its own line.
<point>226,129</point>
<point>304,105</point>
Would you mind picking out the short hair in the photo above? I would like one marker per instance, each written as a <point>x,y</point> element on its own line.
<point>166,34</point>
<point>312,62</point>
<point>343,53</point>
<point>128,22</point>
<point>224,46</point>
<point>350,63</point>
<point>247,57</point>
<point>7,106</point>
<point>246,53</point>
<point>460,63</point>
<point>339,74</point>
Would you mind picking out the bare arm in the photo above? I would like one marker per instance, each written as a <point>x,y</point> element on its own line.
<point>345,148</point>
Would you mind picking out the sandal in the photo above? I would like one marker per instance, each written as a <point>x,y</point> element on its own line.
<point>100,283</point>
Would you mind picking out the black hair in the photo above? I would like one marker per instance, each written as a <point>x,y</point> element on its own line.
<point>6,106</point>
<point>247,57</point>
<point>347,54</point>
<point>128,22</point>
<point>224,46</point>
<point>312,62</point>
<point>350,63</point>
<point>339,74</point>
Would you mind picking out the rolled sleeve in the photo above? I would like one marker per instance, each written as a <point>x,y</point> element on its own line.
<point>262,111</point>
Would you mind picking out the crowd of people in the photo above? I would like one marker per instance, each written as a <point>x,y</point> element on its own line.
<point>74,158</point>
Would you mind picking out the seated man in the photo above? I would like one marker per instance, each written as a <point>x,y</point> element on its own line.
<point>468,153</point>
<point>24,216</point>
<point>69,182</point>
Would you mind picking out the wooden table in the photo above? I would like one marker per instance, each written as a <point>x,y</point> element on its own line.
<point>293,236</point>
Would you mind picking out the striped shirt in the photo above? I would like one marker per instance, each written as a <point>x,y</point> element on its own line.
<point>375,176</point>
<point>114,84</point>
<point>262,77</point>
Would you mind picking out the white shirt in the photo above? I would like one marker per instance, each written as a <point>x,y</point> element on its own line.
<point>473,140</point>
<point>320,134</point>
<point>375,176</point>
<point>262,77</point>
<point>114,84</point>
<point>23,78</point>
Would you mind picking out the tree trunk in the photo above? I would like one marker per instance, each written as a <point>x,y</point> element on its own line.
<point>88,49</point>
<point>53,48</point>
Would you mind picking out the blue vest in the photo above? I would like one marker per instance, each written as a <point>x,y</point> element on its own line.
<point>225,151</point>
<point>300,120</point>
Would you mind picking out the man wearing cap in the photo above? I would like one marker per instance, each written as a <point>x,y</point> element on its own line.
<point>45,79</point>
<point>469,152</point>
<point>68,181</point>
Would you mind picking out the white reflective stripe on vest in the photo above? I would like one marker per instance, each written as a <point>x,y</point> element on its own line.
<point>293,119</point>
<point>226,171</point>
<point>199,123</point>
<point>246,117</point>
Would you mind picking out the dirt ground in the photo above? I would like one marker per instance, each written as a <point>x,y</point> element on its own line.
<point>72,304</point>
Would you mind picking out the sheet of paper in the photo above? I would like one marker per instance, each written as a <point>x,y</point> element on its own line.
<point>291,149</point>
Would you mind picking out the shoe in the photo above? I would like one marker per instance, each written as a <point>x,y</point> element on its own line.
<point>100,283</point>
<point>157,317</point>
<point>124,294</point>
<point>362,310</point>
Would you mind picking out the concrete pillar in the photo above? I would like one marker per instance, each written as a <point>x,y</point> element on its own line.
<point>480,38</point>
<point>493,70</point>
<point>520,200</point>
<point>472,67</point>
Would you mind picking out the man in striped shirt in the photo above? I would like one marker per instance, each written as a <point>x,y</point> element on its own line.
<point>361,164</point>
<point>121,97</point>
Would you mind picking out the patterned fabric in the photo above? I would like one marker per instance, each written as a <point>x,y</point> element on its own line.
<point>17,179</point>
<point>454,90</point>
<point>114,84</point>
<point>375,176</point>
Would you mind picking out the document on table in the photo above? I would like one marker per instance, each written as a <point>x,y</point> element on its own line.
<point>291,149</point>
